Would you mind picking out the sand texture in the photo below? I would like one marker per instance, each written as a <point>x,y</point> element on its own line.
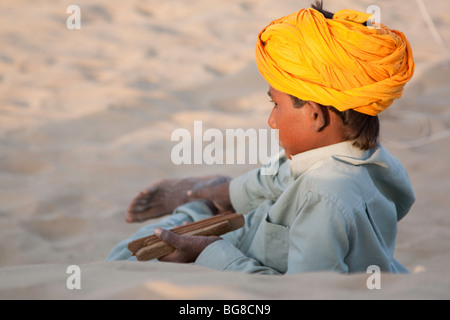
<point>86,118</point>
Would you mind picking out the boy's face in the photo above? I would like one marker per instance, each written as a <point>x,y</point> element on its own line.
<point>295,125</point>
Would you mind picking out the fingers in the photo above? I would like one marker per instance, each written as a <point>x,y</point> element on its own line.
<point>149,203</point>
<point>208,188</point>
<point>200,190</point>
<point>215,190</point>
<point>174,240</point>
<point>164,195</point>
<point>168,237</point>
<point>183,224</point>
<point>187,248</point>
<point>143,201</point>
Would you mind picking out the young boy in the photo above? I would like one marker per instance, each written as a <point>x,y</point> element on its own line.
<point>334,203</point>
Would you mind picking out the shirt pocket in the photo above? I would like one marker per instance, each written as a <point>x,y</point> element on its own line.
<point>271,245</point>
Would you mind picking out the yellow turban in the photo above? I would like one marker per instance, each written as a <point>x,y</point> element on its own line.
<point>335,62</point>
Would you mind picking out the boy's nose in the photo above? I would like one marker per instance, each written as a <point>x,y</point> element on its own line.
<point>271,121</point>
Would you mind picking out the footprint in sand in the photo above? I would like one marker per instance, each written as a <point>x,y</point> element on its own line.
<point>422,115</point>
<point>18,162</point>
<point>56,229</point>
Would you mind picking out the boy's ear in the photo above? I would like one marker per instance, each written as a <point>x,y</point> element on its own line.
<point>319,116</point>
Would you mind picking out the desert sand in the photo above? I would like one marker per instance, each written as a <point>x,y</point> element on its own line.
<point>86,117</point>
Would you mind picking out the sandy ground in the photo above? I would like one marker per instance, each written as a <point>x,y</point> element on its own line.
<point>86,118</point>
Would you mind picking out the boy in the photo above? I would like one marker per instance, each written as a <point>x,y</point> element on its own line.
<point>334,203</point>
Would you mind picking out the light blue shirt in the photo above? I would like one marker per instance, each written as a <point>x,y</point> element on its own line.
<point>330,209</point>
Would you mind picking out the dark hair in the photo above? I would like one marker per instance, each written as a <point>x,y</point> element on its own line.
<point>318,5</point>
<point>361,128</point>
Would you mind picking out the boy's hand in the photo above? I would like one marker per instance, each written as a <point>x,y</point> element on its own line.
<point>215,190</point>
<point>164,195</point>
<point>187,248</point>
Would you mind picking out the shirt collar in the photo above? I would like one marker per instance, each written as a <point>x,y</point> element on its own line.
<point>345,151</point>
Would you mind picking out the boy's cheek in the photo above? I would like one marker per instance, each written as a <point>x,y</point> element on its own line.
<point>282,139</point>
<point>277,135</point>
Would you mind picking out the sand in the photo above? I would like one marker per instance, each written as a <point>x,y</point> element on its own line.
<point>86,118</point>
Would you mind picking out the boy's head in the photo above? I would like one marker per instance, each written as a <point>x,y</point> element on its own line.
<point>303,125</point>
<point>342,71</point>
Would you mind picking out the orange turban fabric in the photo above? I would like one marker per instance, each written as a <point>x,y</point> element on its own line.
<point>335,62</point>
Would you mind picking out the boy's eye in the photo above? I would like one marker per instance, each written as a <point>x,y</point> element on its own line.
<point>274,103</point>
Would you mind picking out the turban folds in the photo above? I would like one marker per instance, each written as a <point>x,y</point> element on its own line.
<point>335,62</point>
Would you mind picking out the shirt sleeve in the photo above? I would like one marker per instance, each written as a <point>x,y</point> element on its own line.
<point>265,183</point>
<point>223,256</point>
